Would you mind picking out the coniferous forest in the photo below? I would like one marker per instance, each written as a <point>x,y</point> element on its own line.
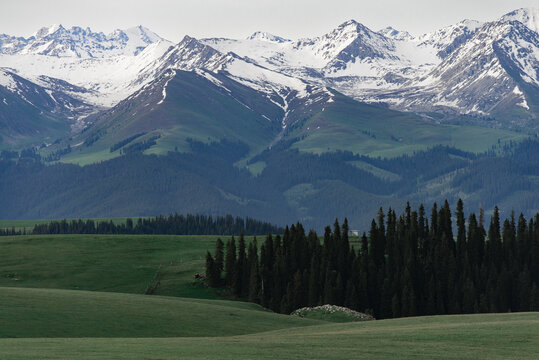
<point>407,265</point>
<point>291,185</point>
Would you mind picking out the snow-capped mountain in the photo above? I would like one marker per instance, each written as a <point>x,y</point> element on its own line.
<point>108,78</point>
<point>265,36</point>
<point>287,92</point>
<point>328,53</point>
<point>484,75</point>
<point>42,112</point>
<point>78,42</point>
<point>447,39</point>
<point>391,33</point>
<point>527,16</point>
<point>47,94</point>
<point>466,68</point>
<point>395,67</point>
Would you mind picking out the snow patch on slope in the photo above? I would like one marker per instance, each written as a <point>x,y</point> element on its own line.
<point>170,77</point>
<point>7,81</point>
<point>523,103</point>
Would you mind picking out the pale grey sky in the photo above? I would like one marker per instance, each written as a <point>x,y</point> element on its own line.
<point>239,18</point>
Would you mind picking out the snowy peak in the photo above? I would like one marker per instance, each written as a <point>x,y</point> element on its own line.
<point>265,36</point>
<point>517,47</point>
<point>348,42</point>
<point>137,39</point>
<point>190,54</point>
<point>46,31</point>
<point>447,39</point>
<point>143,33</point>
<point>528,16</point>
<point>395,34</point>
<point>470,67</point>
<point>77,42</point>
<point>483,75</point>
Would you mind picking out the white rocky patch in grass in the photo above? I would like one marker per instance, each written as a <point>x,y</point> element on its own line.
<point>333,309</point>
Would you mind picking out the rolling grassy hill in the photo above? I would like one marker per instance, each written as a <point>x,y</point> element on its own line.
<point>492,336</point>
<point>65,313</point>
<point>114,263</point>
<point>42,316</point>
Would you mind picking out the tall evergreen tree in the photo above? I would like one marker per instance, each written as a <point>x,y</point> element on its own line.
<point>241,274</point>
<point>211,271</point>
<point>230,262</point>
<point>314,281</point>
<point>219,258</point>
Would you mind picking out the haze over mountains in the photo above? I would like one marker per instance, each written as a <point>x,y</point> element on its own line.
<point>83,97</point>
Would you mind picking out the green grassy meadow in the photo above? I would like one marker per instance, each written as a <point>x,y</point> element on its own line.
<point>47,313</point>
<point>114,263</point>
<point>505,336</point>
<point>82,297</point>
<point>373,131</point>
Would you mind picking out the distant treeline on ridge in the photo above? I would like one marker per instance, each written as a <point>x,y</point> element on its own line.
<point>406,266</point>
<point>173,224</point>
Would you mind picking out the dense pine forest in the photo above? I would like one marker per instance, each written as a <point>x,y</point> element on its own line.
<point>407,265</point>
<point>280,185</point>
<point>173,224</point>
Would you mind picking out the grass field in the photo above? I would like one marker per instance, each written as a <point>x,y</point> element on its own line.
<point>117,263</point>
<point>48,312</point>
<point>67,313</point>
<point>504,336</point>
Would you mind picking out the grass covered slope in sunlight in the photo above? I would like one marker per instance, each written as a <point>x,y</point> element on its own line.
<point>112,263</point>
<point>31,313</point>
<point>490,336</point>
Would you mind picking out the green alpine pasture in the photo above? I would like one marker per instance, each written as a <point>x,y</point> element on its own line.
<point>193,109</point>
<point>374,131</point>
<point>83,297</point>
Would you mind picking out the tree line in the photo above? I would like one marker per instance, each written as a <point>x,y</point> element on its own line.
<point>12,231</point>
<point>406,266</point>
<point>173,224</point>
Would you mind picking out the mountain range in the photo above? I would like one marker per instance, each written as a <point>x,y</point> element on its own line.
<point>485,71</point>
<point>78,96</point>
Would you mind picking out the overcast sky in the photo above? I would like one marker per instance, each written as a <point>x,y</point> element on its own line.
<point>238,18</point>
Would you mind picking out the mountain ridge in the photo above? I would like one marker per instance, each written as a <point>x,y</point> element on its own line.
<point>446,72</point>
